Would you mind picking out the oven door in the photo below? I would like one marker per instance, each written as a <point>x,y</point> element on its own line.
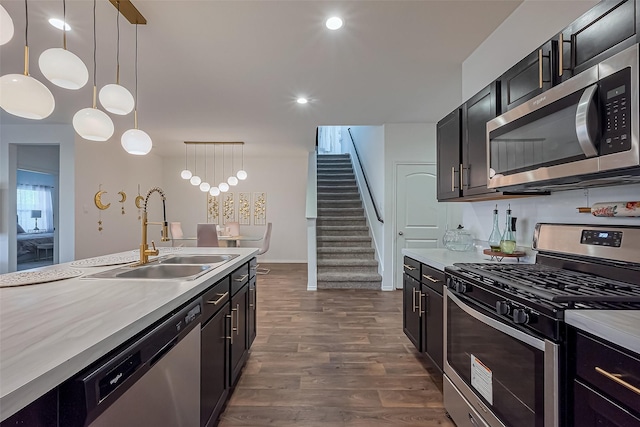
<point>509,376</point>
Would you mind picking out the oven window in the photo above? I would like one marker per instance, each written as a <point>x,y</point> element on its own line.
<point>508,375</point>
<point>545,137</point>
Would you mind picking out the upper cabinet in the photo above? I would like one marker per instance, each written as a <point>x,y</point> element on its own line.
<point>476,112</point>
<point>448,136</point>
<point>604,30</point>
<point>528,78</point>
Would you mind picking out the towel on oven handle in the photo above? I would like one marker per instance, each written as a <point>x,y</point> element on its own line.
<point>620,209</point>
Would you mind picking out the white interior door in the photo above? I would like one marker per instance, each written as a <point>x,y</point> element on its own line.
<point>420,219</point>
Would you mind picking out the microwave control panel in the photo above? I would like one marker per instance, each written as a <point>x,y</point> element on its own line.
<point>615,95</point>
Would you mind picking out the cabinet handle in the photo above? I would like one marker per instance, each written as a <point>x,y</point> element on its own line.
<point>222,296</point>
<point>540,68</point>
<point>429,278</point>
<point>230,337</point>
<point>413,305</point>
<point>560,53</point>
<point>461,178</point>
<point>241,278</point>
<point>237,319</point>
<point>251,305</point>
<point>408,267</point>
<point>237,329</point>
<point>420,312</point>
<point>453,178</point>
<point>616,378</point>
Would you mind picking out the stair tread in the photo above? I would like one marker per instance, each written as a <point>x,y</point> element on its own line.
<point>348,277</point>
<point>344,238</point>
<point>346,262</point>
<point>345,249</point>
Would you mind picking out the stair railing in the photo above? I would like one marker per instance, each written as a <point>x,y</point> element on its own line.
<point>364,175</point>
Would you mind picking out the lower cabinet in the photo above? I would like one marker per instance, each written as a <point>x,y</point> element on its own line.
<point>251,313</point>
<point>214,381</point>
<point>239,338</point>
<point>423,309</point>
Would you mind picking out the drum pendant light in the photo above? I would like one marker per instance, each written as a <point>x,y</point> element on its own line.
<point>115,98</point>
<point>136,141</point>
<point>186,173</point>
<point>61,67</point>
<point>91,123</point>
<point>21,94</point>
<point>6,26</point>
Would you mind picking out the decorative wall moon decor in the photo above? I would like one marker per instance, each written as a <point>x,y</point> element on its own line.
<point>123,198</point>
<point>97,199</point>
<point>139,200</point>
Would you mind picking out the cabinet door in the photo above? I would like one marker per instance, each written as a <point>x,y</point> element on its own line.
<point>607,28</point>
<point>433,313</point>
<point>251,316</point>
<point>411,311</point>
<point>476,112</point>
<point>527,79</point>
<point>591,409</point>
<point>214,378</point>
<point>448,135</point>
<point>239,304</point>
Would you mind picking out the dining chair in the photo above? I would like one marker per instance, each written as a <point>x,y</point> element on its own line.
<point>175,229</point>
<point>234,228</point>
<point>266,239</point>
<point>207,236</point>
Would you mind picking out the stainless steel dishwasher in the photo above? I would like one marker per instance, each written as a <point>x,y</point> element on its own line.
<point>154,381</point>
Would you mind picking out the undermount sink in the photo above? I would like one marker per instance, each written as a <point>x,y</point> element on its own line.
<point>197,259</point>
<point>155,271</point>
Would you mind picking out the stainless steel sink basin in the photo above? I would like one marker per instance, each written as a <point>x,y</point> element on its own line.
<point>156,272</point>
<point>197,259</point>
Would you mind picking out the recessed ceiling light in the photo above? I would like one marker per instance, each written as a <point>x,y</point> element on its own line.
<point>59,23</point>
<point>334,23</point>
<point>302,100</point>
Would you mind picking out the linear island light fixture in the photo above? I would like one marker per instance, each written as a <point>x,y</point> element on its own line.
<point>232,180</point>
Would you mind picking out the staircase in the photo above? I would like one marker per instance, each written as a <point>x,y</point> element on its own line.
<point>346,258</point>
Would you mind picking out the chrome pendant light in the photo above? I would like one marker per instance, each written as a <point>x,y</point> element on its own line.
<point>6,26</point>
<point>62,67</point>
<point>91,123</point>
<point>136,141</point>
<point>114,97</point>
<point>21,94</point>
<point>186,173</point>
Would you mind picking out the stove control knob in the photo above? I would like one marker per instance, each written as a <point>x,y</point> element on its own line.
<point>520,316</point>
<point>460,287</point>
<point>503,307</point>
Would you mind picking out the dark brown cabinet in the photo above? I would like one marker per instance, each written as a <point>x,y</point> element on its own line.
<point>214,366</point>
<point>239,341</point>
<point>433,326</point>
<point>476,112</point>
<point>251,312</point>
<point>448,137</point>
<point>607,28</point>
<point>412,318</point>
<point>604,379</point>
<point>528,78</point>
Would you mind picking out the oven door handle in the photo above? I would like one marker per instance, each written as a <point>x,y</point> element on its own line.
<point>502,327</point>
<point>584,132</point>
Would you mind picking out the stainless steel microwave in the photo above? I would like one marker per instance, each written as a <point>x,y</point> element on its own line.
<point>581,133</point>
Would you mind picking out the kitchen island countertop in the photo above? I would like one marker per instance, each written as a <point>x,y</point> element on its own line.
<point>51,331</point>
<point>439,258</point>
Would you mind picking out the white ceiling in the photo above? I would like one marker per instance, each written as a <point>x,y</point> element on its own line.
<point>231,70</point>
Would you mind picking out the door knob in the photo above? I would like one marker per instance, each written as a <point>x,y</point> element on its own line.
<point>400,233</point>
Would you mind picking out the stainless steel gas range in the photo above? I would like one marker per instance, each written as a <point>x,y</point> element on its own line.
<point>504,323</point>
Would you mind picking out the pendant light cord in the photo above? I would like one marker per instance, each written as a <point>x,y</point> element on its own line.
<point>94,44</point>
<point>26,39</point>
<point>136,65</point>
<point>118,46</point>
<point>64,24</point>
<point>205,162</point>
<point>185,157</point>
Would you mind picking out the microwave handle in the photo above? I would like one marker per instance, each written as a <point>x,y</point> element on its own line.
<point>585,106</point>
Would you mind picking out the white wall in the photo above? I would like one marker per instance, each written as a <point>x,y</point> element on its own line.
<point>283,178</point>
<point>522,32</point>
<point>107,164</point>
<point>10,137</point>
<point>530,25</point>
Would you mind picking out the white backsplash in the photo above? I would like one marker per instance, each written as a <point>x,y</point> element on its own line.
<point>560,207</point>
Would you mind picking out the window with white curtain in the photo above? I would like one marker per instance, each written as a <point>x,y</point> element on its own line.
<point>35,198</point>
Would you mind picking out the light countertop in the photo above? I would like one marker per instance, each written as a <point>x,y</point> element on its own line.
<point>51,331</point>
<point>440,258</point>
<point>619,327</point>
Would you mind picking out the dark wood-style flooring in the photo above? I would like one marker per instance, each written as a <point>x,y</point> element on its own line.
<point>331,358</point>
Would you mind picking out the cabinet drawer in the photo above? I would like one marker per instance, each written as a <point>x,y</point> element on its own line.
<point>432,278</point>
<point>591,409</point>
<point>239,278</point>
<point>615,373</point>
<point>215,298</point>
<point>412,268</point>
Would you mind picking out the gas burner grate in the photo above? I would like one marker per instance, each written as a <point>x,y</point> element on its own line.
<point>555,284</point>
